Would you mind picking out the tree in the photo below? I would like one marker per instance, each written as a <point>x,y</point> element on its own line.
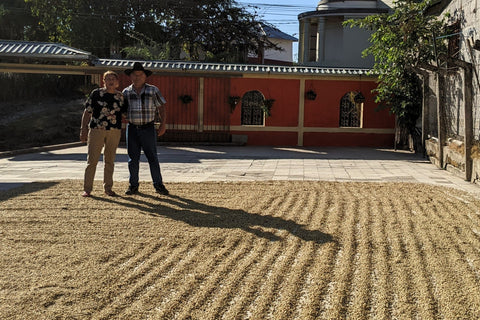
<point>54,18</point>
<point>17,22</point>
<point>91,25</point>
<point>400,42</point>
<point>208,29</point>
<point>219,29</point>
<point>146,48</point>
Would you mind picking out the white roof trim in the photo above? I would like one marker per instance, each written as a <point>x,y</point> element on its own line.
<point>230,68</point>
<point>45,50</point>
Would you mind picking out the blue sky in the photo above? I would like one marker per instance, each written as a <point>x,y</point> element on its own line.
<point>282,13</point>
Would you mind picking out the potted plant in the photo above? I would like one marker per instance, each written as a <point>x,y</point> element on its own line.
<point>186,98</point>
<point>233,101</point>
<point>267,106</point>
<point>311,95</point>
<point>359,98</point>
<point>356,97</point>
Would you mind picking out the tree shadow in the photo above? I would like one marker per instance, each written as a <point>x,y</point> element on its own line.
<point>201,215</point>
<point>196,154</point>
<point>12,190</point>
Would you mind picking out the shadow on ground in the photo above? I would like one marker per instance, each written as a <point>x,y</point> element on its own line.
<point>11,190</point>
<point>201,215</point>
<point>196,154</point>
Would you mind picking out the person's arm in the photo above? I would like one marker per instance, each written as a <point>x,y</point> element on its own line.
<point>162,113</point>
<point>84,127</point>
<point>124,103</point>
<point>163,117</point>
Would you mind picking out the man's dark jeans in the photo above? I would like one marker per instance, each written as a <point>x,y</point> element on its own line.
<point>138,138</point>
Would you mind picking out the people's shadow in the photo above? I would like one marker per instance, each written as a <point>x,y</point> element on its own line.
<point>203,215</point>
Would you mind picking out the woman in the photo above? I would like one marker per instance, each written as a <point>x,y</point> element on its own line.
<point>101,127</point>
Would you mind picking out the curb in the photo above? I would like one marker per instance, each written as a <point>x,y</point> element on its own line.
<point>12,153</point>
<point>6,154</point>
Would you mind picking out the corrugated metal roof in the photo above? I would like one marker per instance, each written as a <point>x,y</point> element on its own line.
<point>274,33</point>
<point>46,50</point>
<point>229,68</point>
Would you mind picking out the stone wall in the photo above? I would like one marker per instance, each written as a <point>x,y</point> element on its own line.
<point>453,118</point>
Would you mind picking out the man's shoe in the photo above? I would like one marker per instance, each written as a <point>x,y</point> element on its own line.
<point>131,190</point>
<point>162,190</point>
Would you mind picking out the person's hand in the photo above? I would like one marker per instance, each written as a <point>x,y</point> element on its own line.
<point>161,130</point>
<point>83,135</point>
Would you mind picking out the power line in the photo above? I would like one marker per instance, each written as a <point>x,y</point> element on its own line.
<point>276,10</point>
<point>278,14</point>
<point>278,5</point>
<point>279,9</point>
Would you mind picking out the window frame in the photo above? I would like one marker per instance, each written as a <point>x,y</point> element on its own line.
<point>244,105</point>
<point>349,97</point>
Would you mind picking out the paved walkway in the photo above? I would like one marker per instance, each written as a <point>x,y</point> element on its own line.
<point>240,163</point>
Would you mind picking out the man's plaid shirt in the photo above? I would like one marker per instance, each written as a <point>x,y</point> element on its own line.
<point>142,108</point>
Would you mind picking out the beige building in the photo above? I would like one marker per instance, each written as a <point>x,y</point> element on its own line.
<point>325,41</point>
<point>270,56</point>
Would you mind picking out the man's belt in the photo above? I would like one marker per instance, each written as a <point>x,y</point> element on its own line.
<point>141,126</point>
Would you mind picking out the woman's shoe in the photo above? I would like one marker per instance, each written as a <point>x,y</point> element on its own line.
<point>86,194</point>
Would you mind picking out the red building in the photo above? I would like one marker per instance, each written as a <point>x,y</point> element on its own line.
<point>309,106</point>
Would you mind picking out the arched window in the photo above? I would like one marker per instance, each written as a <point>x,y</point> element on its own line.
<point>252,113</point>
<point>351,109</point>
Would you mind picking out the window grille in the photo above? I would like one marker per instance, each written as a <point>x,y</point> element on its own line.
<point>252,113</point>
<point>350,111</point>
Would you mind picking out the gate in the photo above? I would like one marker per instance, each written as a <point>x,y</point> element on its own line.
<point>197,108</point>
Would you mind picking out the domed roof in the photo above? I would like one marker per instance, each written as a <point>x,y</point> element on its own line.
<point>331,4</point>
<point>327,1</point>
<point>348,7</point>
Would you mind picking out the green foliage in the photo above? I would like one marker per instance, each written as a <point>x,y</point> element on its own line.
<point>267,106</point>
<point>16,21</point>
<point>95,26</point>
<point>213,30</point>
<point>146,48</point>
<point>217,29</point>
<point>400,42</point>
<point>54,18</point>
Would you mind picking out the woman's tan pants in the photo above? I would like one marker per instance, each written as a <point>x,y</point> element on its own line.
<point>97,139</point>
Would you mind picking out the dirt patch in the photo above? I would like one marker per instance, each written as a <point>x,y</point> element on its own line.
<point>252,250</point>
<point>34,124</point>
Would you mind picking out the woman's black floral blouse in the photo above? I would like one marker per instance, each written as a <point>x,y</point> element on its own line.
<point>106,109</point>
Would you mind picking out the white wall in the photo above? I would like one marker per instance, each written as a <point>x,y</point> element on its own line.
<point>334,50</point>
<point>356,40</point>
<point>285,55</point>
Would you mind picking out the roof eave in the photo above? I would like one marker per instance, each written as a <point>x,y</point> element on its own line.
<point>342,11</point>
<point>50,57</point>
<point>231,69</point>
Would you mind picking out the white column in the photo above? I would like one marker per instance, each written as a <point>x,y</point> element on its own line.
<point>306,42</point>
<point>320,53</point>
<point>301,114</point>
<point>301,43</point>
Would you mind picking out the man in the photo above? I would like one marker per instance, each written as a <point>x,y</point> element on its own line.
<point>144,100</point>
